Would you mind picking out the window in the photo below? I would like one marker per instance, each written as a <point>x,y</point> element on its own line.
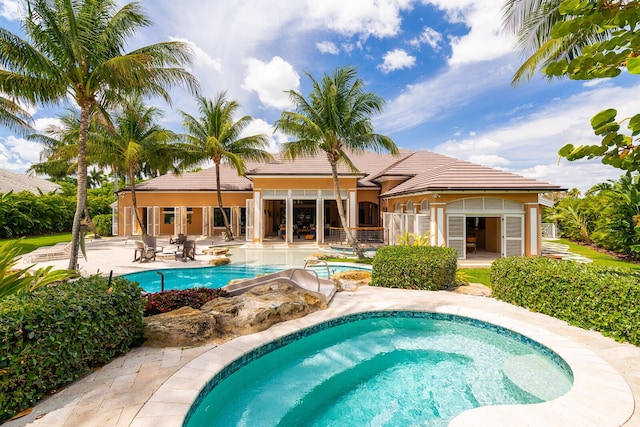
<point>424,206</point>
<point>398,207</point>
<point>218,219</point>
<point>168,215</point>
<point>410,206</point>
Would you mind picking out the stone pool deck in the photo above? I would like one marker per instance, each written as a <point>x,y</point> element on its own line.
<point>155,386</point>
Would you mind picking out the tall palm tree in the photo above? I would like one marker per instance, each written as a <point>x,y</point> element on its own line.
<point>215,137</point>
<point>532,21</point>
<point>136,142</point>
<point>76,49</point>
<point>335,119</point>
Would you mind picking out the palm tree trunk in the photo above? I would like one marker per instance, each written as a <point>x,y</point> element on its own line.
<point>134,202</point>
<point>224,214</point>
<point>81,201</point>
<point>343,219</point>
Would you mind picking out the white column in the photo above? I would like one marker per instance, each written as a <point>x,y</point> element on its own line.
<point>319,219</point>
<point>257,217</point>
<point>353,209</point>
<point>440,226</point>
<point>289,218</point>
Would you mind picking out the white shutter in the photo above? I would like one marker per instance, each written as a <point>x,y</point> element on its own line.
<point>156,220</point>
<point>386,224</point>
<point>409,223</point>
<point>114,221</point>
<point>128,221</point>
<point>456,234</point>
<point>177,221</point>
<point>249,219</point>
<point>512,234</point>
<point>397,227</point>
<point>423,224</point>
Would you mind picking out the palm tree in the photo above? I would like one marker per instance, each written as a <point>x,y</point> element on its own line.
<point>215,136</point>
<point>336,120</point>
<point>532,21</point>
<point>76,49</point>
<point>136,142</point>
<point>13,116</point>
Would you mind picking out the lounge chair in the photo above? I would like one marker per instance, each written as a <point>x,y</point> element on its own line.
<point>187,252</point>
<point>180,240</point>
<point>143,253</point>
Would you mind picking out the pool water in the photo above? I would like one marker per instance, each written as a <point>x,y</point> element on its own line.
<point>213,277</point>
<point>397,371</point>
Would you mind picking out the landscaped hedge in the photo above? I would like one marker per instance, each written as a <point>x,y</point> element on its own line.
<point>414,267</point>
<point>103,224</point>
<point>57,334</point>
<point>591,297</point>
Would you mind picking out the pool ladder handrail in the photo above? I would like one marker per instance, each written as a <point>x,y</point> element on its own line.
<point>295,270</point>
<point>318,261</point>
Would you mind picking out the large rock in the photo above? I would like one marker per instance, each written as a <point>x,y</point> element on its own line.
<point>351,280</point>
<point>226,318</point>
<point>182,327</point>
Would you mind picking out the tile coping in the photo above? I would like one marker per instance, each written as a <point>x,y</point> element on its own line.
<point>599,394</point>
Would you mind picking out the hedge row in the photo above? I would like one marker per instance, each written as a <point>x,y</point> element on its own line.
<point>57,334</point>
<point>591,297</point>
<point>414,267</point>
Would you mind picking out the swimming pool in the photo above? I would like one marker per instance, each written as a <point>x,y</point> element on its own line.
<point>214,277</point>
<point>381,368</point>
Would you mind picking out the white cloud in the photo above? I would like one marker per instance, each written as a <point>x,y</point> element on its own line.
<point>429,36</point>
<point>10,10</point>
<point>531,144</point>
<point>270,80</point>
<point>358,17</point>
<point>424,101</point>
<point>485,39</point>
<point>43,124</point>
<point>328,47</point>
<point>259,126</point>
<point>201,59</point>
<point>18,154</point>
<point>396,59</point>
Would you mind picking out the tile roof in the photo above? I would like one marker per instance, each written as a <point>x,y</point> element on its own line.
<point>458,175</point>
<point>423,170</point>
<point>204,180</point>
<point>10,181</point>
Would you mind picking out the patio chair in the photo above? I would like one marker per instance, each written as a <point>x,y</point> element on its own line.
<point>188,251</point>
<point>143,253</point>
<point>151,242</point>
<point>180,240</point>
<point>471,244</point>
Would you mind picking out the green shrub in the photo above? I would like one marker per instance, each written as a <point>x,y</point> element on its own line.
<point>414,267</point>
<point>591,297</point>
<point>57,334</point>
<point>103,224</point>
<point>163,302</point>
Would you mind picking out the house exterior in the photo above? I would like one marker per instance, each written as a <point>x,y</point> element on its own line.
<point>415,192</point>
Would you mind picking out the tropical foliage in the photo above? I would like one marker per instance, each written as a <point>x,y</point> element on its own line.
<point>335,120</point>
<point>607,216</point>
<point>28,214</point>
<point>217,137</point>
<point>585,40</point>
<point>76,50</point>
<point>21,280</point>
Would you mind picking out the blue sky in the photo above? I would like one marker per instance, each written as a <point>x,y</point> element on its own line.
<point>443,66</point>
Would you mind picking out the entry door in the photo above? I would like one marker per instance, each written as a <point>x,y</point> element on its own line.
<point>513,235</point>
<point>456,234</point>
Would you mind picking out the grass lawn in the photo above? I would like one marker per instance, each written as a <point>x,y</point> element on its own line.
<point>476,275</point>
<point>30,244</point>
<point>597,257</point>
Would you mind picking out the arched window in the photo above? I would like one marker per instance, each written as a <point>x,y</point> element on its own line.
<point>398,207</point>
<point>410,206</point>
<point>424,206</point>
